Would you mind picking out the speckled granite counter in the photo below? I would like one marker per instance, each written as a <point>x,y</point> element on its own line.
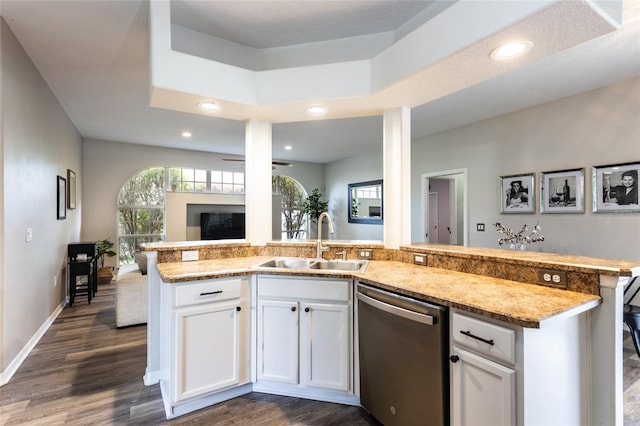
<point>518,303</point>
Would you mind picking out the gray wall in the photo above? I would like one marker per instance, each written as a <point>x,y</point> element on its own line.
<point>339,174</point>
<point>39,143</point>
<point>595,128</point>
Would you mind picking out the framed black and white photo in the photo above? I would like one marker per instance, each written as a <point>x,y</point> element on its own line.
<point>562,191</point>
<point>615,188</point>
<point>71,190</point>
<point>517,193</point>
<point>62,198</point>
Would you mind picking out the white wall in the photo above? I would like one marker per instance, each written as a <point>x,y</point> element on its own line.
<point>594,128</point>
<point>39,143</point>
<point>339,174</point>
<point>108,165</point>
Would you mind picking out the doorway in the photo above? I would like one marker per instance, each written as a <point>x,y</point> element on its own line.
<point>448,189</point>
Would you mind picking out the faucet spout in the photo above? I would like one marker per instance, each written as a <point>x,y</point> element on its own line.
<point>319,248</point>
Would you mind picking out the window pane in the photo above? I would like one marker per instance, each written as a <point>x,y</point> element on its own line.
<point>238,178</point>
<point>216,176</point>
<point>201,175</point>
<point>187,175</point>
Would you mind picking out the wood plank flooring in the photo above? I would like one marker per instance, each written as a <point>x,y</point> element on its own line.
<point>86,371</point>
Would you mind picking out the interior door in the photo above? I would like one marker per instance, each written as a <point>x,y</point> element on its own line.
<point>432,234</point>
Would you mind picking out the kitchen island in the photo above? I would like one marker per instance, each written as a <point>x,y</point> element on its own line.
<point>505,288</point>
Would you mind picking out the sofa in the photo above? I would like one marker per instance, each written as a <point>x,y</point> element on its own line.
<point>131,293</point>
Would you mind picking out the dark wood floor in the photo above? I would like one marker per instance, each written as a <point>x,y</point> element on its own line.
<point>86,371</point>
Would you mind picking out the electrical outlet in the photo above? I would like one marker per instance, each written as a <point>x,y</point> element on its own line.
<point>480,227</point>
<point>365,254</point>
<point>28,234</point>
<point>188,255</point>
<point>552,277</point>
<point>420,259</point>
<point>55,281</point>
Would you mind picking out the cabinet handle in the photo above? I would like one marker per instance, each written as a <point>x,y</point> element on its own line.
<point>238,308</point>
<point>208,293</point>
<point>307,309</point>
<point>293,309</point>
<point>454,358</point>
<point>469,334</point>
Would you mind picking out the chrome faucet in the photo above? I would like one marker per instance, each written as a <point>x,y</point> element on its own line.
<point>319,248</point>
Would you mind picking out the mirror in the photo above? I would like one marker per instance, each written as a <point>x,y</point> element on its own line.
<point>365,202</point>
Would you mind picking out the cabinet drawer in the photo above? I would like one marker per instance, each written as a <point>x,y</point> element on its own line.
<point>484,337</point>
<point>304,288</point>
<point>209,291</point>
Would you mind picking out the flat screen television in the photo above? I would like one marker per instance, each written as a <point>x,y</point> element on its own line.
<point>221,226</point>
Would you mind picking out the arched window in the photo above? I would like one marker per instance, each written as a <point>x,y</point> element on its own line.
<point>140,212</point>
<point>292,195</point>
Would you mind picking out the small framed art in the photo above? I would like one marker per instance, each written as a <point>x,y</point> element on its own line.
<point>71,190</point>
<point>562,191</point>
<point>517,194</point>
<point>62,198</point>
<point>615,188</point>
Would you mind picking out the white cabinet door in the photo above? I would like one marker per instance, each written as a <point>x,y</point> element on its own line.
<point>483,392</point>
<point>212,348</point>
<point>325,345</point>
<point>278,341</point>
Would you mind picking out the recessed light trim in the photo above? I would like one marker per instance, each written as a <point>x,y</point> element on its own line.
<point>209,106</point>
<point>316,110</point>
<point>186,134</point>
<point>510,50</point>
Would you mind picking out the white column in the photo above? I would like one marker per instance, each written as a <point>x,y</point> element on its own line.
<point>397,177</point>
<point>606,353</point>
<point>258,181</point>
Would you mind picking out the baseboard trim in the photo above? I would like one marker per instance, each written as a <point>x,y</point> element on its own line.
<point>12,368</point>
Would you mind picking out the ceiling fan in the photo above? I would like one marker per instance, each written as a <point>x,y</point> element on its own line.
<point>275,163</point>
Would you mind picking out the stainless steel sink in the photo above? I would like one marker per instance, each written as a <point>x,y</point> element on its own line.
<point>288,263</point>
<point>320,264</point>
<point>340,265</point>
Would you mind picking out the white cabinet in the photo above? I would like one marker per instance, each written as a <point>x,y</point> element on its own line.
<point>209,337</point>
<point>507,375</point>
<point>305,337</point>
<point>483,391</point>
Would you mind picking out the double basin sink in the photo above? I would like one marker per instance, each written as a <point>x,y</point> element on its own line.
<point>311,264</point>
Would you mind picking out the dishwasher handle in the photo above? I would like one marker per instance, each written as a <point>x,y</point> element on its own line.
<point>395,310</point>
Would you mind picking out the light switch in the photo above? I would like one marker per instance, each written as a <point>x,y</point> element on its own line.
<point>188,255</point>
<point>28,234</point>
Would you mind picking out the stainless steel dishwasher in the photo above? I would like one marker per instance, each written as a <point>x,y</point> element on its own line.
<point>403,349</point>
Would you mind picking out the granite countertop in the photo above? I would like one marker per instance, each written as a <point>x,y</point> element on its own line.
<point>526,305</point>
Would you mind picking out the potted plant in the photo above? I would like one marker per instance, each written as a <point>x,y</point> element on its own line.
<point>313,208</point>
<point>105,273</point>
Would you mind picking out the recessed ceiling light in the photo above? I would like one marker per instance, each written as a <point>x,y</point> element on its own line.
<point>186,134</point>
<point>510,50</point>
<point>288,147</point>
<point>317,110</point>
<point>209,106</point>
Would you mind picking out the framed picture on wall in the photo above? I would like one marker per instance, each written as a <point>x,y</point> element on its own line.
<point>615,188</point>
<point>71,189</point>
<point>562,191</point>
<point>62,198</point>
<point>517,193</point>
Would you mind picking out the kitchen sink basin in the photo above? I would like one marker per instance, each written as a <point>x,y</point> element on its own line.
<point>287,263</point>
<point>340,265</point>
<point>319,264</point>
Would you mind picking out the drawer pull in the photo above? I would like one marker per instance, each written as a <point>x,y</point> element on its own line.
<point>238,308</point>
<point>293,309</point>
<point>307,309</point>
<point>469,334</point>
<point>209,293</point>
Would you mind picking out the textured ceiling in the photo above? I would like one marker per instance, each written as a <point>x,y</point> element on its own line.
<point>264,24</point>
